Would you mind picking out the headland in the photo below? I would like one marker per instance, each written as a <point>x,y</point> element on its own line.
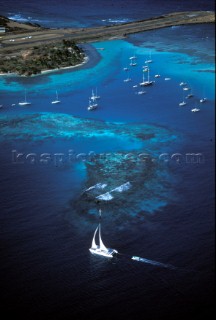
<point>24,47</point>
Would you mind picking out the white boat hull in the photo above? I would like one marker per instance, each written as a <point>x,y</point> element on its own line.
<point>147,83</point>
<point>135,258</point>
<point>92,108</point>
<point>24,103</point>
<point>105,253</point>
<point>55,102</point>
<point>181,104</point>
<point>203,100</point>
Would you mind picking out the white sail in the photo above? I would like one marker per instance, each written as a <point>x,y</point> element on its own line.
<point>94,246</point>
<point>101,249</point>
<point>102,246</point>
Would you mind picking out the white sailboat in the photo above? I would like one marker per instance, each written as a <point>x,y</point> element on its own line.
<point>143,81</point>
<point>203,100</point>
<point>190,95</point>
<point>93,96</point>
<point>150,59</point>
<point>182,83</point>
<point>195,110</point>
<point>25,102</point>
<point>128,77</point>
<point>183,103</point>
<point>96,95</point>
<point>100,249</point>
<point>92,105</point>
<point>141,92</point>
<point>148,82</point>
<point>56,100</point>
<point>133,57</point>
<point>133,62</point>
<point>186,88</point>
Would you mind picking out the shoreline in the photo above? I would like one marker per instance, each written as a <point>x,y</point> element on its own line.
<point>13,42</point>
<point>91,58</point>
<point>86,59</point>
<point>43,72</point>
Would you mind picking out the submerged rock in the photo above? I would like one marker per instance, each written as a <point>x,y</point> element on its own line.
<point>131,186</point>
<point>125,182</point>
<point>46,125</point>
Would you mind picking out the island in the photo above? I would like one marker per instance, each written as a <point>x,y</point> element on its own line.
<point>28,49</point>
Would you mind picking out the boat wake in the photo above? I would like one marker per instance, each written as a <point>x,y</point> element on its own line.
<point>97,186</point>
<point>101,250</point>
<point>152,262</point>
<point>107,196</point>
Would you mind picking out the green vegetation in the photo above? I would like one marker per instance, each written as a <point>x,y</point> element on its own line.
<point>44,57</point>
<point>16,26</point>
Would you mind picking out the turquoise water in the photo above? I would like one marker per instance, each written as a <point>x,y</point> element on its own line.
<point>119,100</point>
<point>167,215</point>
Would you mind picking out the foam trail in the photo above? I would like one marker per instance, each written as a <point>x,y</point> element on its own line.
<point>97,186</point>
<point>122,187</point>
<point>152,262</point>
<point>105,196</point>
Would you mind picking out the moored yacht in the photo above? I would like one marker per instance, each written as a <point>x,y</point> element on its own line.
<point>128,79</point>
<point>150,59</point>
<point>195,110</point>
<point>183,103</point>
<point>182,83</point>
<point>25,102</point>
<point>56,100</point>
<point>148,82</point>
<point>92,105</point>
<point>203,100</point>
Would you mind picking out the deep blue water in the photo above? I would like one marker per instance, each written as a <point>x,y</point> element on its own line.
<point>98,12</point>
<point>46,268</point>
